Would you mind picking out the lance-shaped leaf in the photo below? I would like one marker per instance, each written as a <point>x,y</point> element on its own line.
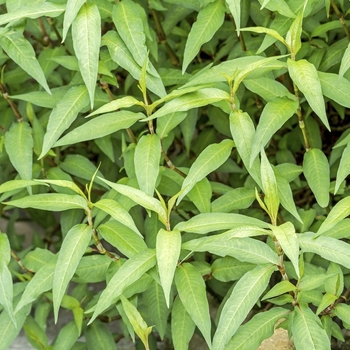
<point>168,249</point>
<point>98,336</point>
<point>45,9</point>
<point>304,75</point>
<point>100,126</point>
<point>307,329</point>
<point>243,297</point>
<point>86,34</point>
<point>66,184</point>
<point>273,116</point>
<point>288,240</point>
<point>127,274</point>
<point>316,171</point>
<point>73,248</point>
<point>191,289</point>
<point>345,62</point>
<point>68,336</point>
<point>293,37</point>
<point>209,160</point>
<point>6,290</point>
<point>22,53</point>
<point>139,197</point>
<point>114,105</point>
<point>344,167</point>
<point>117,212</point>
<point>329,248</point>
<point>19,147</point>
<point>209,222</point>
<point>235,9</point>
<point>146,160</point>
<point>260,327</point>
<point>50,201</point>
<point>5,249</point>
<point>64,114</point>
<point>122,237</point>
<point>209,20</point>
<point>72,9</point>
<point>243,131</point>
<point>269,31</point>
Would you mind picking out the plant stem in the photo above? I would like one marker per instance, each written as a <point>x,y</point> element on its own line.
<point>46,38</point>
<point>341,19</point>
<point>18,259</point>
<point>171,165</point>
<point>12,105</point>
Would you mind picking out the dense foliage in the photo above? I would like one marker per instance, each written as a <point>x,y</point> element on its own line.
<point>175,152</point>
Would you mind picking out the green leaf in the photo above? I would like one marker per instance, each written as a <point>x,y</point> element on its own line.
<point>329,248</point>
<point>210,159</point>
<point>229,269</point>
<point>66,184</point>
<point>279,289</point>
<point>272,118</point>
<point>100,126</point>
<point>191,289</point>
<point>67,336</point>
<point>168,249</point>
<point>19,147</point>
<point>22,53</point>
<point>72,249</point>
<point>243,297</point>
<point>260,327</point>
<point>344,167</point>
<point>13,185</point>
<point>122,237</point>
<point>311,282</point>
<point>268,31</point>
<point>146,160</point>
<point>50,201</point>
<point>304,75</point>
<point>293,37</point>
<point>6,290</point>
<point>182,326</point>
<point>98,336</point>
<point>86,36</point>
<point>307,330</point>
<point>117,212</point>
<point>345,61</point>
<point>64,114</point>
<point>127,274</point>
<point>342,311</point>
<point>114,105</point>
<point>209,20</point>
<point>200,195</point>
<point>72,9</point>
<point>5,249</point>
<point>316,171</point>
<point>288,240</point>
<point>92,269</point>
<point>235,9</point>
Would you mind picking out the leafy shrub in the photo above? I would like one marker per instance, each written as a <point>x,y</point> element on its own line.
<point>175,151</point>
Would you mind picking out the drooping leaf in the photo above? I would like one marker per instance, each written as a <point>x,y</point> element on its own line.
<point>191,289</point>
<point>304,75</point>
<point>63,115</point>
<point>168,248</point>
<point>209,20</point>
<point>316,171</point>
<point>86,29</point>
<point>72,249</point>
<point>72,9</point>
<point>243,297</point>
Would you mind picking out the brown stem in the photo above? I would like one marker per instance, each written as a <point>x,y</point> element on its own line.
<point>53,25</point>
<point>341,19</point>
<point>171,165</point>
<point>46,38</point>
<point>10,102</point>
<point>18,259</point>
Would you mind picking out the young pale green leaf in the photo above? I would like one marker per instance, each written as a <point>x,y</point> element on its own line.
<point>123,102</point>
<point>243,297</point>
<point>168,249</point>
<point>269,185</point>
<point>279,289</point>
<point>344,167</point>
<point>209,20</point>
<point>335,87</point>
<point>273,116</point>
<point>45,9</point>
<point>345,62</point>
<point>304,75</point>
<point>72,249</point>
<point>209,222</point>
<point>288,240</point>
<point>293,37</point>
<point>98,336</point>
<point>50,201</point>
<point>100,126</point>
<point>268,31</point>
<point>66,184</point>
<point>136,320</point>
<point>72,9</point>
<point>260,327</point>
<point>117,212</point>
<point>19,147</point>
<point>122,237</point>
<point>235,9</point>
<point>146,160</point>
<point>67,336</point>
<point>191,289</point>
<point>64,114</point>
<point>86,30</point>
<point>139,197</point>
<point>22,53</point>
<point>127,274</point>
<point>307,329</point>
<point>311,282</point>
<point>329,248</point>
<point>6,290</point>
<point>276,5</point>
<point>316,171</point>
<point>182,325</point>
<point>209,160</point>
<point>243,131</point>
